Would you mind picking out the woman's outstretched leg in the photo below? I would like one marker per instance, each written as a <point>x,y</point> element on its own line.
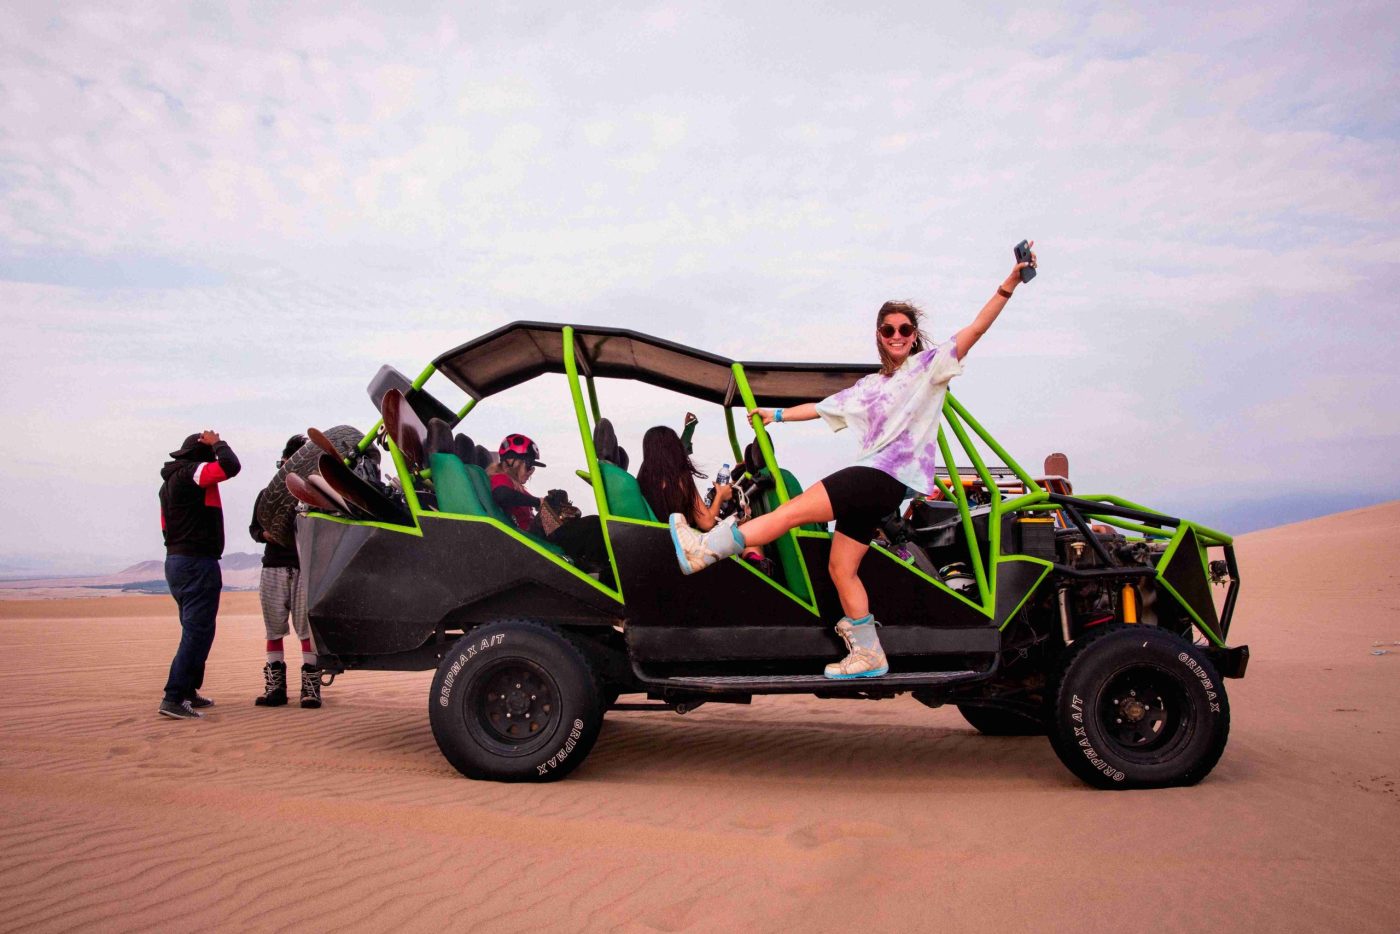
<point>810,506</point>
<point>695,551</point>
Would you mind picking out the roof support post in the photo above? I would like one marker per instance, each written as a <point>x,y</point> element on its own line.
<point>595,475</point>
<point>593,401</point>
<point>733,435</point>
<point>764,445</point>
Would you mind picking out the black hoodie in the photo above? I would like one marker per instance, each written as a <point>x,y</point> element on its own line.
<point>191,512</point>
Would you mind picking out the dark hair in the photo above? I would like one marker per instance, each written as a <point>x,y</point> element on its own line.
<point>294,444</point>
<point>667,474</point>
<point>915,316</point>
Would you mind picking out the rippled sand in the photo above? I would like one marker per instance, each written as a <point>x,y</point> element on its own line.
<point>791,814</point>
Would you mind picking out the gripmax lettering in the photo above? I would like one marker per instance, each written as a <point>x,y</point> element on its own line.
<point>563,753</point>
<point>1077,707</point>
<point>466,655</point>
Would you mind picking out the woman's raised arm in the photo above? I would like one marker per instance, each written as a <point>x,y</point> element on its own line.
<point>973,332</point>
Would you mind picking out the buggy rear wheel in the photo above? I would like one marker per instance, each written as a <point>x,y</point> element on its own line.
<point>515,702</point>
<point>1139,707</point>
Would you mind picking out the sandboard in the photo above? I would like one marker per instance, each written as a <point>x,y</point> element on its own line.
<point>360,495</point>
<point>318,438</point>
<point>309,494</point>
<point>338,504</point>
<point>404,426</point>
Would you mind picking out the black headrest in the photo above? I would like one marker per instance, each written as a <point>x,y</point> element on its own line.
<point>439,437</point>
<point>485,458</point>
<point>464,449</point>
<point>753,459</point>
<point>605,442</point>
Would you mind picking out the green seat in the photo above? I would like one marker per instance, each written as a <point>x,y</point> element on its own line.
<point>624,494</point>
<point>770,498</point>
<point>455,491</point>
<point>464,489</point>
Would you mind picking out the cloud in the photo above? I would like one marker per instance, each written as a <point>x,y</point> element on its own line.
<point>240,211</point>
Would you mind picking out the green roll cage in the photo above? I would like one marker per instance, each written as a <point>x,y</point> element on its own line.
<point>1143,522</point>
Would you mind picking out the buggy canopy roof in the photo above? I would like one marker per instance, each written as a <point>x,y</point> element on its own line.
<point>519,352</point>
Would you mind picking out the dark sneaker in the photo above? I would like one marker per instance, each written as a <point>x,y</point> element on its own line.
<point>179,710</point>
<point>310,686</point>
<point>199,701</point>
<point>275,685</point>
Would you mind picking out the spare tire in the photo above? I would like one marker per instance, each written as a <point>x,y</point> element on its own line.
<point>277,507</point>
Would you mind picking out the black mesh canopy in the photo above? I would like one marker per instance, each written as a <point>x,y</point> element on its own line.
<point>521,351</point>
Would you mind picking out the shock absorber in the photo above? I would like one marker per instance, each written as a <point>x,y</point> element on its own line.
<point>1128,603</point>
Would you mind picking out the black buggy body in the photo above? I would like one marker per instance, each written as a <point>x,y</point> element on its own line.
<point>1087,618</point>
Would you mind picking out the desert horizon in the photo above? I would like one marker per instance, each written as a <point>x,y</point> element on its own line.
<point>790,813</point>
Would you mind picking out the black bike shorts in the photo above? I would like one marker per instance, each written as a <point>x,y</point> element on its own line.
<point>861,497</point>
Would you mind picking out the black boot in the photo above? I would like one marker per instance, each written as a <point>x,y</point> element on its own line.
<point>275,693</point>
<point>310,686</point>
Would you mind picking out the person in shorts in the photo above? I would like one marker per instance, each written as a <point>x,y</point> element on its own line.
<point>282,597</point>
<point>896,412</point>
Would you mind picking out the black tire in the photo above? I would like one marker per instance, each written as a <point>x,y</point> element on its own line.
<point>1001,721</point>
<point>277,508</point>
<point>515,701</point>
<point>1139,707</point>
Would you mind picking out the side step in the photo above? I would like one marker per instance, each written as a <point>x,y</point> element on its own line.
<point>811,684</point>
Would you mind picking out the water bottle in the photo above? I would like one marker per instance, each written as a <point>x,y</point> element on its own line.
<point>722,478</point>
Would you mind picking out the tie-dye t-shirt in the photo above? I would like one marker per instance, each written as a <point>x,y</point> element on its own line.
<point>897,417</point>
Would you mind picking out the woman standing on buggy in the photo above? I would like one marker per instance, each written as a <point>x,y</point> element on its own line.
<point>896,412</point>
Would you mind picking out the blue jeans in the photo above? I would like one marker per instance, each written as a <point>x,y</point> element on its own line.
<point>195,584</point>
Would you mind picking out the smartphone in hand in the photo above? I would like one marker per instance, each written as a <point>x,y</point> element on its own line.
<point>1023,255</point>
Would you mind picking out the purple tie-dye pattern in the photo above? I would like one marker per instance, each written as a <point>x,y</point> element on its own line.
<point>898,417</point>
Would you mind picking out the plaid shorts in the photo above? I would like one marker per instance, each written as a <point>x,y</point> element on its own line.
<point>281,595</point>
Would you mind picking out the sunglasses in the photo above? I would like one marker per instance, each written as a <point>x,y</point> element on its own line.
<point>889,330</point>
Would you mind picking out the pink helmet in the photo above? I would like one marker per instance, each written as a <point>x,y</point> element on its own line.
<point>520,446</point>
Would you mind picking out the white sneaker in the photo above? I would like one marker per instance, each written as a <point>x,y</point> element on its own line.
<point>866,658</point>
<point>695,551</point>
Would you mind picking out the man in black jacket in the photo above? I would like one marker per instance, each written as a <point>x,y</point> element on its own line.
<point>281,594</point>
<point>192,521</point>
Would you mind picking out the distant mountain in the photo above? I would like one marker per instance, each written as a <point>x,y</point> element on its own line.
<point>241,561</point>
<point>241,571</point>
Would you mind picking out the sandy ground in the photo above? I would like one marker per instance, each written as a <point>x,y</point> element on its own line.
<point>794,813</point>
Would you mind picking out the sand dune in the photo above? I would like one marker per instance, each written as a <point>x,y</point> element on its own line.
<point>794,813</point>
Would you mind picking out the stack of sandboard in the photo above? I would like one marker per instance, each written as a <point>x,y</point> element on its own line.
<point>278,505</point>
<point>318,476</point>
<point>332,486</point>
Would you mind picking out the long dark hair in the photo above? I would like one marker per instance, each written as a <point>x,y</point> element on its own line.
<point>667,475</point>
<point>916,318</point>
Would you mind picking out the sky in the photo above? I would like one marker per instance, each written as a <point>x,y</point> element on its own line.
<point>229,215</point>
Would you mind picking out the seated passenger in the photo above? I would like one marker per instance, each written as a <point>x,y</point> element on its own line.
<point>519,456</point>
<point>581,538</point>
<point>667,478</point>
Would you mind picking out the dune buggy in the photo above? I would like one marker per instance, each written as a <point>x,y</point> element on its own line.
<point>1086,618</point>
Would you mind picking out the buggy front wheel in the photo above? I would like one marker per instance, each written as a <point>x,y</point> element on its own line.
<point>1139,707</point>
